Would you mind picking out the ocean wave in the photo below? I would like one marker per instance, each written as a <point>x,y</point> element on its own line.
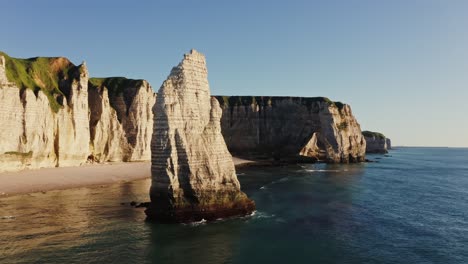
<point>198,223</point>
<point>280,180</point>
<point>323,170</point>
<point>257,215</point>
<point>8,217</point>
<point>261,215</point>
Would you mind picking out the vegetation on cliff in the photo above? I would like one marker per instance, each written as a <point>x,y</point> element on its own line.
<point>373,134</point>
<point>22,154</point>
<point>115,85</point>
<point>41,73</point>
<point>230,101</point>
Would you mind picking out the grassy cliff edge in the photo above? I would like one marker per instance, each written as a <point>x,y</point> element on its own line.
<point>229,101</point>
<point>45,74</point>
<point>373,134</point>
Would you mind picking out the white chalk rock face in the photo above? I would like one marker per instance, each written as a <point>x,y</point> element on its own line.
<point>291,129</point>
<point>108,140</point>
<point>193,175</point>
<point>73,122</point>
<point>33,135</point>
<point>121,119</point>
<point>51,118</point>
<point>376,142</point>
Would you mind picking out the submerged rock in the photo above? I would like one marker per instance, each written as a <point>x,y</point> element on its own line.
<point>193,175</point>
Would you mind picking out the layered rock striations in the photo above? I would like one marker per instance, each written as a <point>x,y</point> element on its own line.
<point>50,118</point>
<point>121,120</point>
<point>193,176</point>
<point>291,128</point>
<point>43,113</point>
<point>376,142</point>
<point>52,114</point>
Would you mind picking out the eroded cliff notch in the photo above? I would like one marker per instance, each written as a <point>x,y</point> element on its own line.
<point>286,128</point>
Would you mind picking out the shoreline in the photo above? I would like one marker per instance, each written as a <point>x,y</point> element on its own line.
<point>88,175</point>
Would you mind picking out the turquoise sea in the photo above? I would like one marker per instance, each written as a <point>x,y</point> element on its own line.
<point>409,207</point>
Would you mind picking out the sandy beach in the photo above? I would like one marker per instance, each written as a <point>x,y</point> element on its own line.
<point>47,179</point>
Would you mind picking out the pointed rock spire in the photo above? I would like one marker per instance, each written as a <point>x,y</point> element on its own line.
<point>193,175</point>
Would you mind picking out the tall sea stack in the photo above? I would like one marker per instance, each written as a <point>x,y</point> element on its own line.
<point>193,176</point>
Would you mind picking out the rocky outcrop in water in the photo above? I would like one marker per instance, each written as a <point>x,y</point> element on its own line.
<point>50,118</point>
<point>376,142</point>
<point>291,128</point>
<point>193,176</point>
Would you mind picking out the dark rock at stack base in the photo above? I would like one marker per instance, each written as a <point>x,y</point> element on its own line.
<point>172,213</point>
<point>193,175</point>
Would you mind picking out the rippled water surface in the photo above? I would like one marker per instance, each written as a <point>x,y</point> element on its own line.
<point>410,207</point>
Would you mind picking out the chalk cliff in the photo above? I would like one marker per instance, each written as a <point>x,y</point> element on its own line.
<point>121,119</point>
<point>50,119</point>
<point>52,114</point>
<point>44,113</point>
<point>291,128</point>
<point>389,143</point>
<point>376,142</point>
<point>193,175</point>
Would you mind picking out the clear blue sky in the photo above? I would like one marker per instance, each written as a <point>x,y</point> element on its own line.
<point>402,65</point>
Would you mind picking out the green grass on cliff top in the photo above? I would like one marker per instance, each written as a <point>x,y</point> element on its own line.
<point>115,85</point>
<point>40,73</point>
<point>267,100</point>
<point>373,134</point>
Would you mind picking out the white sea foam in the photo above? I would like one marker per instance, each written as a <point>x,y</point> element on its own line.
<point>201,222</point>
<point>323,170</point>
<point>262,215</point>
<point>253,213</point>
